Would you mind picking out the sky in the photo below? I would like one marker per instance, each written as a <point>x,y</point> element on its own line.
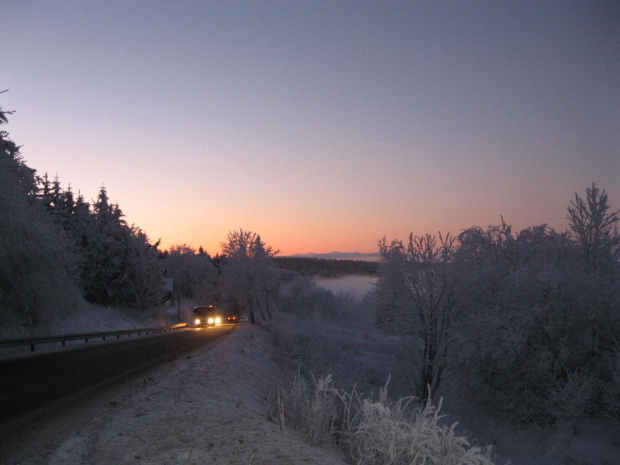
<point>320,125</point>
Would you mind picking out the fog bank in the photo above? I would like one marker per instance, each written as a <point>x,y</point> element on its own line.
<point>354,285</point>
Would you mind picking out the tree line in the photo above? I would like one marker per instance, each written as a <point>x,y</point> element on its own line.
<point>58,250</point>
<point>327,267</point>
<point>531,319</point>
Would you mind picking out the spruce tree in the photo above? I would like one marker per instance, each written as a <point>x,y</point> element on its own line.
<point>35,283</point>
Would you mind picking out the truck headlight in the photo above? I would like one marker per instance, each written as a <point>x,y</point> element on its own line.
<point>210,321</point>
<point>218,320</point>
<point>197,322</point>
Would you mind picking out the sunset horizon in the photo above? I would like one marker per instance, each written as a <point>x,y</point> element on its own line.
<point>321,126</point>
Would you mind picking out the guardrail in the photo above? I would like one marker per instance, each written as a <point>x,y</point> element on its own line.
<point>33,341</point>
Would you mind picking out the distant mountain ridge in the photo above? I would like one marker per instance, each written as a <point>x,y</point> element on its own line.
<point>371,257</point>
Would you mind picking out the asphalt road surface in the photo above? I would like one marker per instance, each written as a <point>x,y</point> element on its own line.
<point>31,384</point>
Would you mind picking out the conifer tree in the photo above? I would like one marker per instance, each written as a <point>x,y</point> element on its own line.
<point>119,264</point>
<point>34,263</point>
<point>107,252</point>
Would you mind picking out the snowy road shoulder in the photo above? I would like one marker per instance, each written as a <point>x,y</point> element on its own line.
<point>208,407</point>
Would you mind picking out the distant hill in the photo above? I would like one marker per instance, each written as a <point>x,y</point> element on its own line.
<point>368,257</point>
<point>311,265</point>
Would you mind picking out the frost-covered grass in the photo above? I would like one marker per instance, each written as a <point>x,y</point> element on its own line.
<point>311,411</point>
<point>374,431</point>
<point>387,434</point>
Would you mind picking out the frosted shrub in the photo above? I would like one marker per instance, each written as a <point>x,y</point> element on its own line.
<point>570,397</point>
<point>320,347</point>
<point>611,389</point>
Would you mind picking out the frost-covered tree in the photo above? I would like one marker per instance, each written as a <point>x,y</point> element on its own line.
<point>143,271</point>
<point>193,273</point>
<point>419,286</point>
<point>34,263</point>
<point>249,274</point>
<point>44,194</point>
<point>595,227</point>
<point>538,330</point>
<point>530,319</point>
<point>265,275</point>
<point>106,252</point>
<point>508,330</point>
<point>119,265</point>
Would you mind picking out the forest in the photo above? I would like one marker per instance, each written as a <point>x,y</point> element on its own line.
<point>324,267</point>
<point>525,325</point>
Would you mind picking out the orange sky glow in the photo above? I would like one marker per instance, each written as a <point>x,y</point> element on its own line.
<point>322,126</point>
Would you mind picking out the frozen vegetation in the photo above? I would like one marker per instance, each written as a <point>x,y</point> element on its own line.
<point>489,346</point>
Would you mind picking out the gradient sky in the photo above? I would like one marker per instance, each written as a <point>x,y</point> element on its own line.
<point>321,125</point>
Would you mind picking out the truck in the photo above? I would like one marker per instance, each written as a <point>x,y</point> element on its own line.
<point>207,315</point>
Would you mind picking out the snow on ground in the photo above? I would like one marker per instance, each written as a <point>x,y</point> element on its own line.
<point>210,406</point>
<point>207,407</point>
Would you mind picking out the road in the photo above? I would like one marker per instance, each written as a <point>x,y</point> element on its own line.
<point>31,384</point>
